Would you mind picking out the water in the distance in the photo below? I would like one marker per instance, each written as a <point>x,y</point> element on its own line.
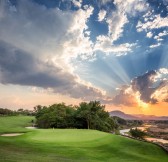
<point>143,128</point>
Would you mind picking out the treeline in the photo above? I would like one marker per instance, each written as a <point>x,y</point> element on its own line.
<point>90,115</point>
<point>8,112</point>
<point>161,121</point>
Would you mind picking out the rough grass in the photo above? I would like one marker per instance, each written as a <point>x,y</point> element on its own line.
<point>16,124</point>
<point>45,145</point>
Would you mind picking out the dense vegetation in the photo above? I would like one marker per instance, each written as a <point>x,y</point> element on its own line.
<point>160,121</point>
<point>8,112</point>
<point>123,124</point>
<point>87,115</point>
<point>90,115</point>
<point>78,145</point>
<point>137,133</point>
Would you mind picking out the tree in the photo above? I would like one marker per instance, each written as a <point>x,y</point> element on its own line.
<point>55,116</point>
<point>4,112</point>
<point>87,115</point>
<point>84,112</point>
<point>95,116</point>
<point>137,133</point>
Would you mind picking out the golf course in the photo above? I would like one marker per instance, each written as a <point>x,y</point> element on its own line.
<point>45,145</point>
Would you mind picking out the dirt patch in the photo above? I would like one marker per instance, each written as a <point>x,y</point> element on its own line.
<point>155,129</point>
<point>11,134</point>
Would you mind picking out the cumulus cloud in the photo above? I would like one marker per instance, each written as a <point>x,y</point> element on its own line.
<point>160,36</point>
<point>143,85</point>
<point>104,44</point>
<point>152,22</point>
<point>20,68</point>
<point>117,20</point>
<point>149,34</point>
<point>161,94</point>
<point>132,6</point>
<point>101,15</point>
<point>116,24</point>
<point>77,41</point>
<point>36,47</point>
<point>54,35</point>
<point>77,3</point>
<point>161,79</point>
<point>124,98</point>
<point>150,88</point>
<point>155,45</point>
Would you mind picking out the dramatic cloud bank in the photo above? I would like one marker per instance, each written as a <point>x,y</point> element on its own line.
<point>19,67</point>
<point>83,50</point>
<point>150,88</point>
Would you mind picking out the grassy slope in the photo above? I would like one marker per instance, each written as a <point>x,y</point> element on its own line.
<point>15,123</point>
<point>75,145</point>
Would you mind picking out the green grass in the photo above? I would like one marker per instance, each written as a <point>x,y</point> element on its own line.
<point>15,124</point>
<point>45,145</point>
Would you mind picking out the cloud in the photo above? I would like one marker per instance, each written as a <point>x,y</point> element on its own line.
<point>104,2</point>
<point>149,34</point>
<point>63,31</point>
<point>155,45</point>
<point>152,22</point>
<point>117,20</point>
<point>36,47</point>
<point>77,41</point>
<point>124,98</point>
<point>160,36</point>
<point>27,30</point>
<point>101,15</point>
<point>150,88</point>
<point>161,79</point>
<point>143,85</point>
<point>116,24</point>
<point>161,94</point>
<point>20,68</point>
<point>104,44</point>
<point>132,7</point>
<point>77,3</point>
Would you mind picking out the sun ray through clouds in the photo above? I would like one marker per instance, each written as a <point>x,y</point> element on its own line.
<point>83,50</point>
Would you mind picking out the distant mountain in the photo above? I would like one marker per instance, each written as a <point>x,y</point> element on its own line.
<point>151,117</point>
<point>123,115</point>
<point>136,116</point>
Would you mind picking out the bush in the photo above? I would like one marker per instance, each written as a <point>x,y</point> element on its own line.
<point>137,133</point>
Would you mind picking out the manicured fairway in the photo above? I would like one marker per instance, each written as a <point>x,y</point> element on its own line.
<point>75,145</point>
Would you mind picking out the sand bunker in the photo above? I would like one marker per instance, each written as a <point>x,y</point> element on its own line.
<point>31,127</point>
<point>11,134</point>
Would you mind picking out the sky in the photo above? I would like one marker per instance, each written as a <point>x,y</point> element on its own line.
<point>71,51</point>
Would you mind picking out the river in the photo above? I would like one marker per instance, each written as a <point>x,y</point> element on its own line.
<point>143,128</point>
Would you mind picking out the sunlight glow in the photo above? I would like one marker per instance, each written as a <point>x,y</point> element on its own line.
<point>141,104</point>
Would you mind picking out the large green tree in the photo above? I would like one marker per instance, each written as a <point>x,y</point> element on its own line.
<point>55,116</point>
<point>87,115</point>
<point>95,116</point>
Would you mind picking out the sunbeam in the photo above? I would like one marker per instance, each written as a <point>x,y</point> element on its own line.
<point>82,50</point>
